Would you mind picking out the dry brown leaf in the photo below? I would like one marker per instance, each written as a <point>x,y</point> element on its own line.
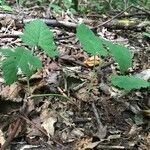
<point>19,130</point>
<point>93,61</point>
<point>148,139</point>
<point>48,125</point>
<point>145,74</point>
<point>38,86</point>
<point>82,143</point>
<point>2,139</point>
<point>37,75</point>
<point>11,91</point>
<point>48,118</point>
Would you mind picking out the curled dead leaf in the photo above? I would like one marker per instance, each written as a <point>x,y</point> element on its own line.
<point>93,61</point>
<point>49,119</point>
<point>11,91</point>
<point>48,125</point>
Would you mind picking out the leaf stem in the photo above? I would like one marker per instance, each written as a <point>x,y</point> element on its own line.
<point>94,73</point>
<point>28,86</point>
<point>94,68</point>
<point>50,94</point>
<point>54,94</point>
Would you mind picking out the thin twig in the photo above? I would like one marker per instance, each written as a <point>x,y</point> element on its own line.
<point>18,35</point>
<point>97,115</point>
<point>104,23</point>
<point>64,38</point>
<point>9,36</point>
<point>101,129</point>
<point>50,94</point>
<point>114,147</point>
<point>144,10</point>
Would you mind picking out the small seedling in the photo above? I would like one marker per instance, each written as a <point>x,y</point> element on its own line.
<point>36,33</point>
<point>68,5</point>
<point>97,45</point>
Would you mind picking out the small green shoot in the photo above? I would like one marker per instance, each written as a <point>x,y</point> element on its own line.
<point>37,33</point>
<point>129,82</point>
<point>65,6</point>
<point>97,45</point>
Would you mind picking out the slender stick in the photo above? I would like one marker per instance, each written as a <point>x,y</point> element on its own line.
<point>104,23</point>
<point>50,94</point>
<point>28,86</point>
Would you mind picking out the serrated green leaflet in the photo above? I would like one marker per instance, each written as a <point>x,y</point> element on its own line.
<point>19,58</point>
<point>37,33</point>
<point>91,43</point>
<point>122,56</point>
<point>9,69</point>
<point>129,82</point>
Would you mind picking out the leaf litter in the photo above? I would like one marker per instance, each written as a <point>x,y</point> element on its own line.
<point>53,122</point>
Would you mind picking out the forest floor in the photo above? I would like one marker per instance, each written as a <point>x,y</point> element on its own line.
<point>84,110</point>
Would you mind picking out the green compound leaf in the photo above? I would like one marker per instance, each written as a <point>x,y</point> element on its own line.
<point>129,82</point>
<point>122,56</point>
<point>91,43</point>
<point>37,33</point>
<point>20,58</point>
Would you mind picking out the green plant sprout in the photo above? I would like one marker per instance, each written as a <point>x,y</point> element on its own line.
<point>4,6</point>
<point>71,5</point>
<point>36,33</point>
<point>97,45</point>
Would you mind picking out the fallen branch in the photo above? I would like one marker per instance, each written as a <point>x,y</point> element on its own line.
<point>101,128</point>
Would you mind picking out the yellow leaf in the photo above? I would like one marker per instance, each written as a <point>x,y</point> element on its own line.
<point>91,62</point>
<point>126,22</point>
